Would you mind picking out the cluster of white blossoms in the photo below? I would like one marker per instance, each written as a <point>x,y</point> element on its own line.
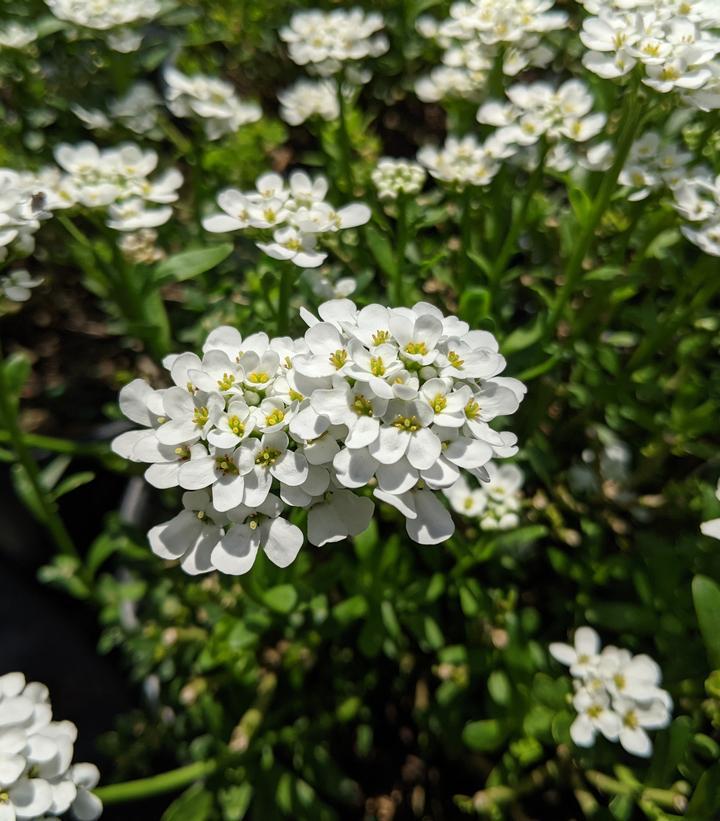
<point>711,528</point>
<point>539,109</point>
<point>399,400</point>
<point>307,99</point>
<point>37,777</point>
<point>21,208</point>
<point>616,694</point>
<point>17,36</point>
<point>17,285</point>
<point>108,16</point>
<point>467,59</point>
<point>673,42</point>
<point>136,110</point>
<point>697,199</point>
<point>394,177</point>
<point>653,163</point>
<point>326,41</point>
<point>465,161</point>
<point>213,100</point>
<point>496,503</point>
<point>289,217</point>
<point>112,178</point>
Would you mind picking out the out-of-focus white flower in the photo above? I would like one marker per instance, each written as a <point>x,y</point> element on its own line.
<point>140,246</point>
<point>307,99</point>
<point>616,693</point>
<point>17,285</point>
<point>294,216</point>
<point>327,40</point>
<point>104,14</point>
<point>465,161</point>
<point>394,177</point>
<point>399,399</point>
<point>697,199</point>
<point>712,527</point>
<point>136,110</point>
<point>496,503</point>
<point>36,776</point>
<point>23,203</point>
<point>210,99</point>
<point>652,164</point>
<point>17,36</point>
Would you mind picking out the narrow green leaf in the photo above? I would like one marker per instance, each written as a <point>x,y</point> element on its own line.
<point>485,736</point>
<point>706,598</point>
<point>190,264</point>
<point>195,804</point>
<point>381,249</point>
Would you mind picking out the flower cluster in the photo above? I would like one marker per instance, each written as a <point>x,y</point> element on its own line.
<point>397,399</point>
<point>496,502</point>
<point>307,99</point>
<point>468,57</point>
<point>327,40</point>
<point>697,199</point>
<point>394,177</point>
<point>108,16</point>
<point>538,110</point>
<point>21,208</point>
<point>37,777</point>
<point>212,100</point>
<point>136,110</point>
<point>17,36</point>
<point>465,161</point>
<point>616,694</point>
<point>17,285</point>
<point>112,178</point>
<point>674,49</point>
<point>652,164</point>
<point>290,219</point>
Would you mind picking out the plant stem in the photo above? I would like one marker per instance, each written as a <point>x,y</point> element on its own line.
<point>631,116</point>
<point>508,246</point>
<point>345,146</point>
<point>465,238</point>
<point>287,278</point>
<point>50,516</point>
<point>398,290</point>
<point>56,445</point>
<point>156,784</point>
<point>672,799</point>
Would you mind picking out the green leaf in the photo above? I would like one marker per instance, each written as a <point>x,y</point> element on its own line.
<point>475,304</point>
<point>73,482</point>
<point>235,802</point>
<point>51,474</point>
<point>281,599</point>
<point>26,492</point>
<point>17,369</point>
<point>64,572</point>
<point>485,736</point>
<point>705,801</point>
<point>524,337</point>
<point>350,610</point>
<point>381,248</point>
<point>189,264</point>
<point>706,598</point>
<point>195,804</point>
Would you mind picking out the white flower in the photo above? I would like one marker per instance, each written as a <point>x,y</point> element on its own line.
<point>17,36</point>
<point>103,14</point>
<point>594,715</point>
<point>582,656</point>
<point>712,527</point>
<point>463,161</point>
<point>307,99</point>
<point>395,177</point>
<point>17,285</point>
<point>36,776</point>
<point>636,719</point>
<point>327,40</point>
<point>212,100</point>
<point>464,500</point>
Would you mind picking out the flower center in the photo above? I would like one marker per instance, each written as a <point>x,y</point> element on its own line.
<point>408,423</point>
<point>439,403</point>
<point>377,366</point>
<point>201,416</point>
<point>339,358</point>
<point>201,515</point>
<point>594,711</point>
<point>467,504</point>
<point>296,396</point>
<point>275,418</point>
<point>4,797</point>
<point>226,466</point>
<point>630,719</point>
<point>619,680</point>
<point>362,406</point>
<point>472,409</point>
<point>454,359</point>
<point>379,337</point>
<point>267,457</point>
<point>236,425</point>
<point>227,381</point>
<point>258,377</point>
<point>416,348</point>
<point>183,453</point>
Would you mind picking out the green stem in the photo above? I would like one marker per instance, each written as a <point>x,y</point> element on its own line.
<point>287,278</point>
<point>670,799</point>
<point>631,116</point>
<point>56,445</point>
<point>156,784</point>
<point>47,505</point>
<point>398,294</point>
<point>345,146</point>
<point>465,238</point>
<point>508,246</point>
